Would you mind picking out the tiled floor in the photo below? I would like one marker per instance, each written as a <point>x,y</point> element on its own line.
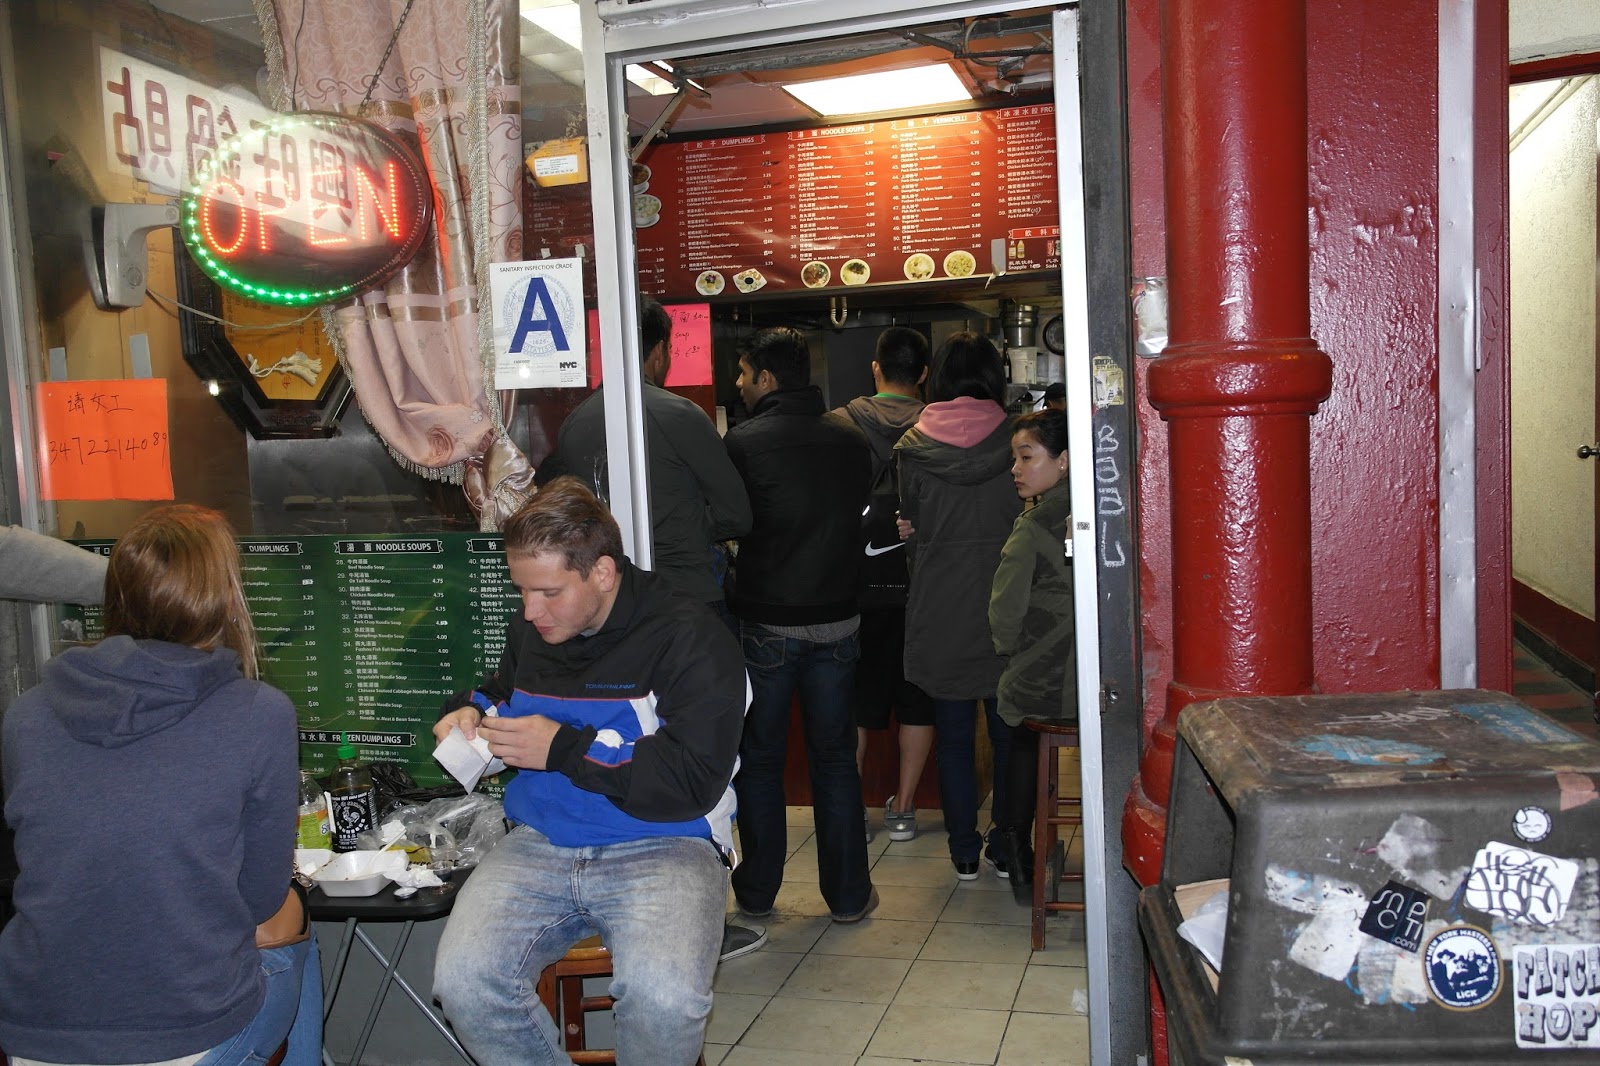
<point>1540,687</point>
<point>941,972</point>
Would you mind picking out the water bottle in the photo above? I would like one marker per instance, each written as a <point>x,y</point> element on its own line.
<point>313,830</point>
<point>355,802</point>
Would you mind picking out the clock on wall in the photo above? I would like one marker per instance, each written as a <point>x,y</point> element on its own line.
<point>1055,336</point>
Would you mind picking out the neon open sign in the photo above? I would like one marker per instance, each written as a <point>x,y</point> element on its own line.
<point>306,208</point>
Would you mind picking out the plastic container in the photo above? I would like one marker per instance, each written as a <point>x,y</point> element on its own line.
<point>1405,872</point>
<point>314,829</point>
<point>359,873</point>
<point>355,801</point>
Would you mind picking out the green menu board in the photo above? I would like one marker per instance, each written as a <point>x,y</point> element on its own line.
<point>368,635</point>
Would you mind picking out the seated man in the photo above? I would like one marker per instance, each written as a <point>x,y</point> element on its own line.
<point>621,702</point>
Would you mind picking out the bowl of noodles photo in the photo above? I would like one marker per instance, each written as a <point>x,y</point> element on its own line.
<point>815,274</point>
<point>919,267</point>
<point>855,272</point>
<point>960,265</point>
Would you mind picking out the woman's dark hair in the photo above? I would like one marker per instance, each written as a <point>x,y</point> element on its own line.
<point>1048,427</point>
<point>174,576</point>
<point>967,365</point>
<point>565,518</point>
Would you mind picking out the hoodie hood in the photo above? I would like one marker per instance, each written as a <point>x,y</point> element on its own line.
<point>122,690</point>
<point>962,441</point>
<point>884,418</point>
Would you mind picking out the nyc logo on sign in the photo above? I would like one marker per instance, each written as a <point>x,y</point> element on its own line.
<point>539,337</point>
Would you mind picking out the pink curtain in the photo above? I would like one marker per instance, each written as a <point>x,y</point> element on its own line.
<point>416,349</point>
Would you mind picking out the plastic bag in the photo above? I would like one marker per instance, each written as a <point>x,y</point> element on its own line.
<point>457,831</point>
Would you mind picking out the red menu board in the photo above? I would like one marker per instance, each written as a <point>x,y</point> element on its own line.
<point>907,201</point>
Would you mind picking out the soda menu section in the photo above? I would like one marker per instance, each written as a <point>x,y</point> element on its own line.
<point>911,200</point>
<point>367,635</point>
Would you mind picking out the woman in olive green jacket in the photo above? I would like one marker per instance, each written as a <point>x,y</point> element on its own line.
<point>1030,616</point>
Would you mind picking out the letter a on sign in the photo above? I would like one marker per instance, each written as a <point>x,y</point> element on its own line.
<point>538,323</point>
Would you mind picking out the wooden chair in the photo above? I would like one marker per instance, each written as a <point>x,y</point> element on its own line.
<point>561,992</point>
<point>1049,850</point>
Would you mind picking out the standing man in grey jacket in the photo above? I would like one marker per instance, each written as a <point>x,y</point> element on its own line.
<point>696,496</point>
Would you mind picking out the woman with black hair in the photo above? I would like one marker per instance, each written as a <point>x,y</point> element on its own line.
<point>958,502</point>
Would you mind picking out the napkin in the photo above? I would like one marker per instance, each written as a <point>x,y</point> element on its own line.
<point>466,760</point>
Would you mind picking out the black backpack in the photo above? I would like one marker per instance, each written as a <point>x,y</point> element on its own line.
<point>883,566</point>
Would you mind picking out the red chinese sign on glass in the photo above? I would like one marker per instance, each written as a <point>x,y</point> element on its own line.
<point>104,440</point>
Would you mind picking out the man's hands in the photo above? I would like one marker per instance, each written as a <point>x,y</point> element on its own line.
<point>521,742</point>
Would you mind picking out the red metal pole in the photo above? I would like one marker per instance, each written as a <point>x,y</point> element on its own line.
<point>1242,375</point>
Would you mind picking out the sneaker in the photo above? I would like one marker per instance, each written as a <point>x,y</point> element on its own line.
<point>741,940</point>
<point>966,869</point>
<point>872,905</point>
<point>1001,867</point>
<point>866,823</point>
<point>902,825</point>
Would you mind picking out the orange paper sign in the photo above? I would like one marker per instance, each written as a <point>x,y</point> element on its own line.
<point>691,345</point>
<point>104,440</point>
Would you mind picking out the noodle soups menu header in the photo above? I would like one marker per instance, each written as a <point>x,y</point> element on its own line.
<point>910,200</point>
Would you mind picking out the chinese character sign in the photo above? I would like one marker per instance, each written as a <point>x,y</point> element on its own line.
<point>104,440</point>
<point>539,334</point>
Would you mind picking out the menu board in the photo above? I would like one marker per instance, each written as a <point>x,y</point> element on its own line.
<point>368,635</point>
<point>909,201</point>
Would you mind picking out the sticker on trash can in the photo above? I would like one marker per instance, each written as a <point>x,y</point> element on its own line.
<point>1531,824</point>
<point>1556,986</point>
<point>1463,968</point>
<point>1396,915</point>
<point>1521,885</point>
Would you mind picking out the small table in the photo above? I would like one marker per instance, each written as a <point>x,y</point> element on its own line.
<point>427,904</point>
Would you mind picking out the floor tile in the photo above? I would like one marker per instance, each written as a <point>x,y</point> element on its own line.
<point>874,1060</point>
<point>978,985</point>
<point>985,908</point>
<point>1053,990</point>
<point>913,871</point>
<point>1060,950</point>
<point>801,865</point>
<point>760,973</point>
<point>794,932</point>
<point>1045,1040</point>
<point>879,938</point>
<point>816,1025</point>
<point>731,1015</point>
<point>928,841</point>
<point>907,904</point>
<point>714,1054</point>
<point>963,942</point>
<point>952,1034</point>
<point>802,898</point>
<point>846,978</point>
<point>798,816</point>
<point>743,1056</point>
<point>797,838</point>
<point>987,881</point>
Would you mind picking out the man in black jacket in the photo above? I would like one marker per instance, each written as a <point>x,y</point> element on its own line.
<point>621,703</point>
<point>795,596</point>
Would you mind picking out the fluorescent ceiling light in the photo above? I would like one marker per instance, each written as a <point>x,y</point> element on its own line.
<point>888,90</point>
<point>561,21</point>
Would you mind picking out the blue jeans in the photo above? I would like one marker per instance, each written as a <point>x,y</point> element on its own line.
<point>658,905</point>
<point>825,676</point>
<point>284,970</point>
<point>955,725</point>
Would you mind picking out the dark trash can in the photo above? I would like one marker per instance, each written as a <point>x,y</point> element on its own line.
<point>1410,877</point>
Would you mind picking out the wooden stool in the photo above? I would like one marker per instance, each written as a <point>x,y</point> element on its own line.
<point>1049,851</point>
<point>561,992</point>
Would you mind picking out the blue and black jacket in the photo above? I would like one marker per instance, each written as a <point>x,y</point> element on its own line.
<point>651,708</point>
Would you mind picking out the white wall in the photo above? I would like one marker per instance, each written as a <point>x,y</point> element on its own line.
<point>1541,29</point>
<point>1553,220</point>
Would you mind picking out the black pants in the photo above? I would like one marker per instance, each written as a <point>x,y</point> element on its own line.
<point>1014,798</point>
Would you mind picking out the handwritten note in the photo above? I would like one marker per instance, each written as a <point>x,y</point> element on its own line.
<point>104,440</point>
<point>691,345</point>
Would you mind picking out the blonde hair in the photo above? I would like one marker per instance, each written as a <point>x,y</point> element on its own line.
<point>174,576</point>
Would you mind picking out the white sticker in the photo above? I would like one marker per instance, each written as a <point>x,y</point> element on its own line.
<point>540,336</point>
<point>1329,943</point>
<point>1521,885</point>
<point>1531,824</point>
<point>1557,990</point>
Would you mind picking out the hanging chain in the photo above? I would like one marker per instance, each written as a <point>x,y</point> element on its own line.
<point>372,82</point>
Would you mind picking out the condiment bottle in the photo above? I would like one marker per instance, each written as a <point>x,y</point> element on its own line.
<point>355,803</point>
<point>314,829</point>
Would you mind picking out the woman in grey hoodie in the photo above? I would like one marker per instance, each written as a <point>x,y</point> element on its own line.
<point>957,497</point>
<point>152,782</point>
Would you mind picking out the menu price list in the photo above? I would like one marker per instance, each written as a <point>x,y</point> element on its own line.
<point>367,635</point>
<point>908,200</point>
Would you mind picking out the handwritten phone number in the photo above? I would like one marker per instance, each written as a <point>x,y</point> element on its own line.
<point>112,448</point>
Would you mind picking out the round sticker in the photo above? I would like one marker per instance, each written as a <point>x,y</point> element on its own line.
<point>1531,824</point>
<point>1462,967</point>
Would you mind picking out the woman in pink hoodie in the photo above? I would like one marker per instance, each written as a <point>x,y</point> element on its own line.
<point>957,497</point>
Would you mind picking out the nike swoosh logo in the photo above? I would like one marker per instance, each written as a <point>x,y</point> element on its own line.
<point>879,551</point>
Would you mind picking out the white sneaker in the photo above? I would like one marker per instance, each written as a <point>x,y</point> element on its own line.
<point>902,825</point>
<point>866,822</point>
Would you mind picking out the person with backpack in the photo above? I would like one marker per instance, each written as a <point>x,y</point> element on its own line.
<point>898,370</point>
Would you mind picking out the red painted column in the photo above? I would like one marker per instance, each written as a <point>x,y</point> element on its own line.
<point>1241,376</point>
